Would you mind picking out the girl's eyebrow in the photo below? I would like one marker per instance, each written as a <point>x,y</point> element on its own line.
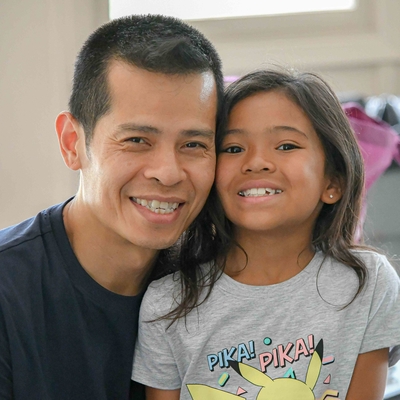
<point>288,128</point>
<point>274,129</point>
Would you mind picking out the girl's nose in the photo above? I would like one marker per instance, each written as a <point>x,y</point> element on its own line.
<point>258,161</point>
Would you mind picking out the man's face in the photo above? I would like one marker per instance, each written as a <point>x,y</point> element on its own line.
<point>151,162</point>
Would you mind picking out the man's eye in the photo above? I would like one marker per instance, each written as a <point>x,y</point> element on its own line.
<point>193,145</point>
<point>233,149</point>
<point>287,146</point>
<point>137,140</point>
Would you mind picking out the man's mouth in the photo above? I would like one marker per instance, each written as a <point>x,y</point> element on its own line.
<point>156,206</point>
<point>258,192</point>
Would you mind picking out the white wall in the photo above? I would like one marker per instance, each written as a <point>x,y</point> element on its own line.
<point>38,44</point>
<point>356,51</point>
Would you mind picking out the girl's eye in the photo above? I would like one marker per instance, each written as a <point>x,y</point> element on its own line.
<point>233,149</point>
<point>287,146</point>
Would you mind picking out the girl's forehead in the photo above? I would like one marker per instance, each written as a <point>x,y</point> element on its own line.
<point>270,108</point>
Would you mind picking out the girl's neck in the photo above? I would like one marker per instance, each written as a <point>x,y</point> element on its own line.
<point>271,259</point>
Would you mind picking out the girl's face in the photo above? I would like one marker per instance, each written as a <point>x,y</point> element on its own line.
<point>271,171</point>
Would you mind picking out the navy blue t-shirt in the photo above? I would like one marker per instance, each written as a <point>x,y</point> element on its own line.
<point>62,335</point>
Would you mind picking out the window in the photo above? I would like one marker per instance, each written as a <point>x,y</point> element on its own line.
<point>211,9</point>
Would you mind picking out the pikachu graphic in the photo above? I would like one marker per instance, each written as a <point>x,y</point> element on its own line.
<point>271,389</point>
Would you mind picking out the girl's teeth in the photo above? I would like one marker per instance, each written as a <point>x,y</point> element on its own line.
<point>256,192</point>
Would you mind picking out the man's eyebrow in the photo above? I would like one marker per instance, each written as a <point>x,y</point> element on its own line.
<point>132,127</point>
<point>137,128</point>
<point>205,133</point>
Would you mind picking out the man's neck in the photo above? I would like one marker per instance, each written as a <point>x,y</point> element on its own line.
<point>111,261</point>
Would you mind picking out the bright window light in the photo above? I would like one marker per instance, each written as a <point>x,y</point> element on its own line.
<point>207,9</point>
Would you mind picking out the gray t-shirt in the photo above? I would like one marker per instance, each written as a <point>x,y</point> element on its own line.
<point>294,340</point>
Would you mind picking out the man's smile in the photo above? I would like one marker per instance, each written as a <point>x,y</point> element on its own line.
<point>156,206</point>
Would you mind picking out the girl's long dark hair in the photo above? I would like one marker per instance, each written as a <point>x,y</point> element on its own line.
<point>211,236</point>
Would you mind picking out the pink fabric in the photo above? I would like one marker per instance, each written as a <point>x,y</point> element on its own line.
<point>379,143</point>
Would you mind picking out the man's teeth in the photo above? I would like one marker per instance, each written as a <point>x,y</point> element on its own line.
<point>256,192</point>
<point>158,207</point>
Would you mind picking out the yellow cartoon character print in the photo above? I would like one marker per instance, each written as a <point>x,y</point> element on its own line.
<point>271,389</point>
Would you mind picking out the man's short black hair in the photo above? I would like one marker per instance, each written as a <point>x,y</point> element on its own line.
<point>155,43</point>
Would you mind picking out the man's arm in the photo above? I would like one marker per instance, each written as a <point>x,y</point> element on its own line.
<point>137,391</point>
<point>5,363</point>
<point>158,394</point>
<point>369,376</point>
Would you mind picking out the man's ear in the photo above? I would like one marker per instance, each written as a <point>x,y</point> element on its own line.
<point>333,191</point>
<point>70,138</point>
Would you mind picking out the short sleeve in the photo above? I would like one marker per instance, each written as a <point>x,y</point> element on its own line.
<point>383,329</point>
<point>154,362</point>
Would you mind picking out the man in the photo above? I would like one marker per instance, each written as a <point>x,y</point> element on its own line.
<point>141,131</point>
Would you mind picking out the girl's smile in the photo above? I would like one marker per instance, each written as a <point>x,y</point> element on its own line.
<point>259,191</point>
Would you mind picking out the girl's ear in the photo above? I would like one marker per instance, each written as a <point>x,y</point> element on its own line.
<point>333,191</point>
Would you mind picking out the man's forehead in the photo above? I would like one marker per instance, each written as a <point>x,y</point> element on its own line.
<point>209,85</point>
<point>120,68</point>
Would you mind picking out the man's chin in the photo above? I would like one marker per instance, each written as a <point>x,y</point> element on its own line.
<point>158,244</point>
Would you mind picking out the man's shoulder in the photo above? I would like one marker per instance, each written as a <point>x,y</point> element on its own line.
<point>23,232</point>
<point>23,243</point>
<point>29,229</point>
<point>19,234</point>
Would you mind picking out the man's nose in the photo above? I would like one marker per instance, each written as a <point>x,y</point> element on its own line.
<point>165,166</point>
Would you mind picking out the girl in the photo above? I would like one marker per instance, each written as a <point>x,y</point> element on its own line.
<point>288,306</point>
